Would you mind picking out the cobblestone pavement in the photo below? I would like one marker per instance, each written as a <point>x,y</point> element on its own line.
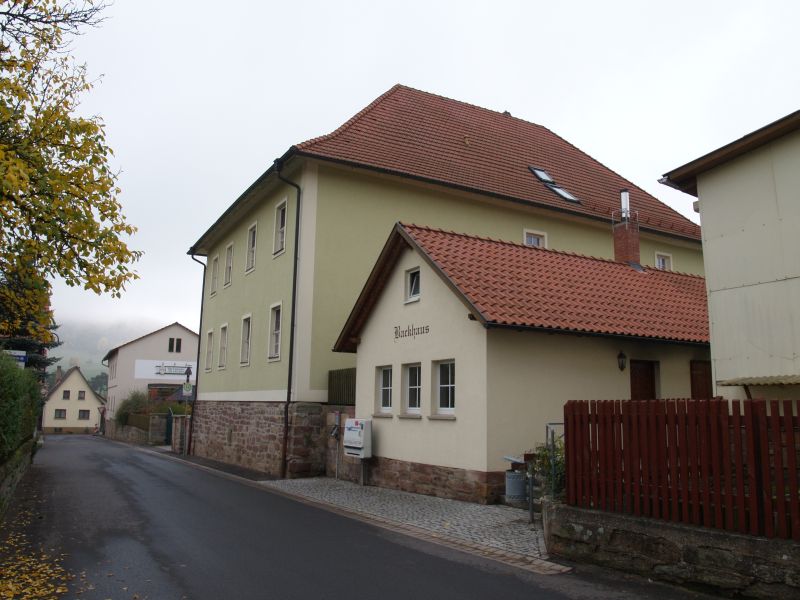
<point>499,532</point>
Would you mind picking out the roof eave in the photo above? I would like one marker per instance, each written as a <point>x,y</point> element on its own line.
<point>684,178</point>
<point>581,332</point>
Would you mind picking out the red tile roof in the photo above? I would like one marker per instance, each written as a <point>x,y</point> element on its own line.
<point>422,135</point>
<point>511,285</point>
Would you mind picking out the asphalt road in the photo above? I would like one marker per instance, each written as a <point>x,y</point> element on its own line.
<point>131,524</point>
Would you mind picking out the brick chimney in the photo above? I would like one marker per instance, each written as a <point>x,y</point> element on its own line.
<point>626,232</point>
<point>59,374</point>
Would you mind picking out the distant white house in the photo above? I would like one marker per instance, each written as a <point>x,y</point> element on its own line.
<point>72,406</point>
<point>154,363</point>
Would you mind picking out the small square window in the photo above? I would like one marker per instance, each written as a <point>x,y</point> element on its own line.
<point>536,239</point>
<point>83,415</point>
<point>412,388</point>
<point>446,386</point>
<point>65,395</point>
<point>412,285</point>
<point>663,261</point>
<point>61,413</point>
<point>81,394</point>
<point>385,389</point>
<point>250,260</point>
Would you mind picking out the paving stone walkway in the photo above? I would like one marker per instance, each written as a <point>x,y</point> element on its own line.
<point>499,532</point>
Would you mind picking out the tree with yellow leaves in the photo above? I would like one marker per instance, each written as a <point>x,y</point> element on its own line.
<point>59,212</point>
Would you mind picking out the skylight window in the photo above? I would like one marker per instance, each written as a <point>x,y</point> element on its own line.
<point>542,175</point>
<point>562,192</point>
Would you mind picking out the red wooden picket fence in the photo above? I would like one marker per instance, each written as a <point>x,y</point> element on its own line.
<point>732,465</point>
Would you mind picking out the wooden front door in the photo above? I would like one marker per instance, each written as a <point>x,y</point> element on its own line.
<point>643,379</point>
<point>700,373</point>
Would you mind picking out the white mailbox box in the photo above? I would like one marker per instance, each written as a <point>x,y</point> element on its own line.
<point>358,438</point>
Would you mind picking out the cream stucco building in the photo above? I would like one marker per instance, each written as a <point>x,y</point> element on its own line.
<point>72,406</point>
<point>275,300</point>
<point>154,362</point>
<point>468,347</point>
<point>749,204</point>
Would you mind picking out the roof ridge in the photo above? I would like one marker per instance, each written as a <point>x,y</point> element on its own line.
<point>347,124</point>
<point>540,249</point>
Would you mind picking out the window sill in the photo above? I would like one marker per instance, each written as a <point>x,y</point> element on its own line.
<point>411,300</point>
<point>382,416</point>
<point>212,294</point>
<point>277,253</point>
<point>244,364</point>
<point>273,359</point>
<point>250,270</point>
<point>221,368</point>
<point>409,416</point>
<point>207,370</point>
<point>442,417</point>
<point>227,285</point>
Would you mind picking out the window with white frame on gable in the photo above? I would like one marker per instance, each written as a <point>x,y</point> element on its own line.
<point>244,353</point>
<point>412,285</point>
<point>412,388</point>
<point>81,394</point>
<point>223,346</point>
<point>274,332</point>
<point>214,274</point>
<point>174,345</point>
<point>279,241</point>
<point>663,261</point>
<point>536,239</point>
<point>65,395</point>
<point>384,389</point>
<point>446,386</point>
<point>226,280</point>
<point>250,260</point>
<point>209,350</point>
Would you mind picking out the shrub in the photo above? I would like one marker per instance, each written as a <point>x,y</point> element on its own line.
<point>20,404</point>
<point>548,463</point>
<point>135,403</point>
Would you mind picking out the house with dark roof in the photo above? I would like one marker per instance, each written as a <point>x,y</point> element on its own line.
<point>71,406</point>
<point>467,347</point>
<point>154,363</point>
<point>285,262</point>
<point>749,201</point>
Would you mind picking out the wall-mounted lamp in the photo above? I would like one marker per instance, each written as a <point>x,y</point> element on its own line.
<point>621,360</point>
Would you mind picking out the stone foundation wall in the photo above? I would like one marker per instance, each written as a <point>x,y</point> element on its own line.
<point>131,435</point>
<point>434,480</point>
<point>53,430</point>
<point>694,556</point>
<point>12,470</point>
<point>250,434</point>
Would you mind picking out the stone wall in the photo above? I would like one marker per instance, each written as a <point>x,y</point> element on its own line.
<point>693,556</point>
<point>434,480</point>
<point>58,430</point>
<point>250,434</point>
<point>131,435</point>
<point>12,470</point>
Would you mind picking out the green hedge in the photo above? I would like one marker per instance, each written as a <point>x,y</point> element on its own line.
<point>20,404</point>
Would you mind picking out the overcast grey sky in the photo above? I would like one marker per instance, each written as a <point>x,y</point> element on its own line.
<point>200,97</point>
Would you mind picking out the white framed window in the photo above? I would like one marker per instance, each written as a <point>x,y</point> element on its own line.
<point>244,353</point>
<point>214,274</point>
<point>83,415</point>
<point>228,265</point>
<point>664,261</point>
<point>384,389</point>
<point>536,239</point>
<point>412,284</point>
<point>445,386</point>
<point>82,395</point>
<point>412,388</point>
<point>274,332</point>
<point>279,241</point>
<point>209,350</point>
<point>223,346</point>
<point>61,413</point>
<point>250,255</point>
<point>65,395</point>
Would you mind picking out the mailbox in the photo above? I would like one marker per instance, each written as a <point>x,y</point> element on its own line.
<point>358,438</point>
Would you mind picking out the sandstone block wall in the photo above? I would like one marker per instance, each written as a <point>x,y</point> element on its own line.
<point>735,564</point>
